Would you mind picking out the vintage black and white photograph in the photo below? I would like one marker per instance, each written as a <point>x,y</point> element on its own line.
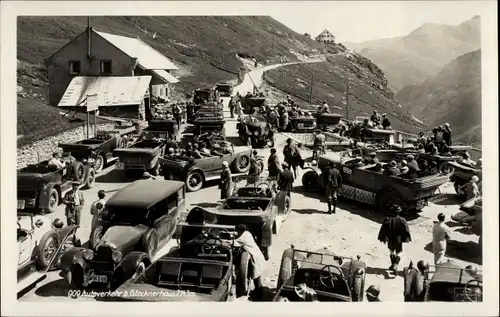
<point>330,153</point>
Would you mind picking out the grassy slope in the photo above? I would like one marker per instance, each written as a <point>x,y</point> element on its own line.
<point>453,96</point>
<point>185,40</point>
<point>421,54</point>
<point>368,89</point>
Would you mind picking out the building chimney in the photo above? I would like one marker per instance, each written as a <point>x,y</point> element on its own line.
<point>89,42</point>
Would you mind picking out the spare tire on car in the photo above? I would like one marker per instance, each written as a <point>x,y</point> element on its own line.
<point>150,242</point>
<point>242,163</point>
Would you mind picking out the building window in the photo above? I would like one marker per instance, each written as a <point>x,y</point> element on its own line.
<point>106,67</point>
<point>162,91</point>
<point>74,67</point>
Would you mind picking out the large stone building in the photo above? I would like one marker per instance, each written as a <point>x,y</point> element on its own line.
<point>325,37</point>
<point>115,68</point>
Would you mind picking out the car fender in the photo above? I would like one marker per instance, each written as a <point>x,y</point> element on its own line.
<point>132,260</point>
<point>195,168</point>
<point>43,200</point>
<point>70,258</point>
<point>66,231</point>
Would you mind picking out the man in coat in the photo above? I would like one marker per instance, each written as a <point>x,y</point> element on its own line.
<point>447,134</point>
<point>292,156</point>
<point>334,182</point>
<point>226,181</point>
<point>74,202</point>
<point>375,118</point>
<point>273,164</point>
<point>386,124</point>
<point>394,231</point>
<point>285,181</point>
<point>231,106</point>
<point>254,170</point>
<point>392,170</point>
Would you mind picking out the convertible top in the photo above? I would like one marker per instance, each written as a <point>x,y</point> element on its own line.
<point>143,194</point>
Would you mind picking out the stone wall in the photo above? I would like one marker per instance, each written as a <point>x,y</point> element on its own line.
<point>43,149</point>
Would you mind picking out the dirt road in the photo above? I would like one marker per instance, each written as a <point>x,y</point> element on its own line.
<point>351,231</point>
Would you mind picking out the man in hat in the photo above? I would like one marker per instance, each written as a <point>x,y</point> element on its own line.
<point>325,108</point>
<point>291,155</point>
<point>471,188</point>
<point>333,183</point>
<point>231,106</point>
<point>372,293</point>
<point>467,160</point>
<point>413,167</point>
<point>273,164</point>
<point>285,180</point>
<point>386,124</point>
<point>216,150</point>
<point>440,235</point>
<point>375,118</point>
<point>447,134</point>
<point>372,158</point>
<point>195,153</point>
<point>245,240</point>
<point>226,181</point>
<point>254,168</point>
<point>171,143</point>
<point>404,167</point>
<point>394,231</point>
<point>74,201</point>
<point>56,161</point>
<point>392,170</point>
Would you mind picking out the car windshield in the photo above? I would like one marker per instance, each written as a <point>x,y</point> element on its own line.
<point>125,216</point>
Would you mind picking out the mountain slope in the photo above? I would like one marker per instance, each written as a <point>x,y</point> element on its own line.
<point>453,96</point>
<point>422,53</point>
<point>197,44</point>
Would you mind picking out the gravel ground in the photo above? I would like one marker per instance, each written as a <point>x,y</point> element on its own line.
<point>351,231</point>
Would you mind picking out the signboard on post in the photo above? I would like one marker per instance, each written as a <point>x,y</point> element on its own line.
<point>92,103</point>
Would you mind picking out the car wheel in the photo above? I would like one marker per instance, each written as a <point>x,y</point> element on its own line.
<point>90,179</point>
<point>242,274</point>
<point>385,199</point>
<point>75,277</point>
<point>79,172</point>
<point>150,242</point>
<point>310,181</point>
<point>446,169</point>
<point>194,181</point>
<point>95,237</point>
<point>53,201</point>
<point>47,248</point>
<point>99,163</point>
<point>358,288</point>
<point>242,163</point>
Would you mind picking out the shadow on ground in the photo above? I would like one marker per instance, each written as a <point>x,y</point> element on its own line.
<point>383,271</point>
<point>447,199</point>
<point>115,176</point>
<point>465,251</point>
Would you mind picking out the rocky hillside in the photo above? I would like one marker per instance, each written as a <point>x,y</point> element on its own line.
<point>204,47</point>
<point>453,96</point>
<point>421,54</point>
<point>368,87</point>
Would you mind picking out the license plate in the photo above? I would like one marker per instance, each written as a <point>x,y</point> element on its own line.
<point>21,204</point>
<point>120,166</point>
<point>97,279</point>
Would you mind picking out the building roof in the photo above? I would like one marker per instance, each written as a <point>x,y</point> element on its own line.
<point>110,91</point>
<point>166,76</point>
<point>147,57</point>
<point>325,33</point>
<point>143,194</point>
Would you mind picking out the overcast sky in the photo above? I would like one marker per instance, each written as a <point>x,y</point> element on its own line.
<point>358,21</point>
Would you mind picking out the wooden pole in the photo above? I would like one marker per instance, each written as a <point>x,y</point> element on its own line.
<point>88,124</point>
<point>311,88</point>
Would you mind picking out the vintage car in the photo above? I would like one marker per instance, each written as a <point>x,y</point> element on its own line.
<point>138,220</point>
<point>203,269</point>
<point>161,128</point>
<point>203,95</point>
<point>301,124</point>
<point>256,203</point>
<point>255,131</point>
<point>462,173</point>
<point>379,136</point>
<point>39,242</point>
<point>139,157</point>
<point>471,215</point>
<point>363,184</point>
<point>212,138</point>
<point>328,121</point>
<point>195,173</point>
<point>333,278</point>
<point>448,282</point>
<point>41,187</point>
<point>225,90</point>
<point>248,103</point>
<point>99,148</point>
<point>209,124</point>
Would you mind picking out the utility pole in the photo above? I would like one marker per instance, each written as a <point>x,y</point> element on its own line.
<point>347,98</point>
<point>311,87</point>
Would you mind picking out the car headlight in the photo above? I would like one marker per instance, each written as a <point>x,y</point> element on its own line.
<point>88,254</point>
<point>116,256</point>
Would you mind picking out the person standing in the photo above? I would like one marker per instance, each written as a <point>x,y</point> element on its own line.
<point>254,170</point>
<point>394,231</point>
<point>74,201</point>
<point>96,208</point>
<point>334,182</point>
<point>231,106</point>
<point>386,124</point>
<point>440,235</point>
<point>285,120</point>
<point>226,181</point>
<point>285,182</point>
<point>238,107</point>
<point>273,164</point>
<point>447,134</point>
<point>291,155</point>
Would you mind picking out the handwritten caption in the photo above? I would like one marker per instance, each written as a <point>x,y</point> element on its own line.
<point>128,293</point>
